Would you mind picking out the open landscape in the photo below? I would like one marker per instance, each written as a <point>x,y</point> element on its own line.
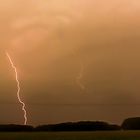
<point>69,70</point>
<point>99,135</point>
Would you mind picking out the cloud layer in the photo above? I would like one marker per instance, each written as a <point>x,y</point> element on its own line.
<point>48,40</point>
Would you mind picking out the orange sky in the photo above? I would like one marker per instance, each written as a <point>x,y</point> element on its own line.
<point>49,39</point>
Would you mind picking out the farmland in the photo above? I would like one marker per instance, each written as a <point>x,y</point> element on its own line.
<point>97,135</point>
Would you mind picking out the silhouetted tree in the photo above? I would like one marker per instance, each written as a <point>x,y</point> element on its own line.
<point>131,124</point>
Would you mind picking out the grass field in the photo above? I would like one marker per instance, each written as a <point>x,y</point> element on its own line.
<point>116,135</point>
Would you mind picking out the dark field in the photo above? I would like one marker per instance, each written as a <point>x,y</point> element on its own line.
<point>109,135</point>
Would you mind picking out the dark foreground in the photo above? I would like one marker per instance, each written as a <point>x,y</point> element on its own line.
<point>108,135</point>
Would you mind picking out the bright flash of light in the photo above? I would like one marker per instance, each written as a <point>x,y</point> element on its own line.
<point>18,88</point>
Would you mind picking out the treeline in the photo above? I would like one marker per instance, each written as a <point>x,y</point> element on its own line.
<point>16,128</point>
<point>78,126</point>
<point>128,124</point>
<point>69,126</point>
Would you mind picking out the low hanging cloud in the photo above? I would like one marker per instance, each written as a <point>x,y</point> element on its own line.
<point>49,38</point>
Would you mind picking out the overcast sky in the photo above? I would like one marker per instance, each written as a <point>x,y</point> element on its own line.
<point>59,46</point>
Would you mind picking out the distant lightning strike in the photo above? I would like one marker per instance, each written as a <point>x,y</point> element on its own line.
<point>80,74</point>
<point>79,77</point>
<point>18,88</point>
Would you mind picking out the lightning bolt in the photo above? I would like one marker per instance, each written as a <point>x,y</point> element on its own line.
<point>18,88</point>
<point>81,71</point>
<point>79,77</point>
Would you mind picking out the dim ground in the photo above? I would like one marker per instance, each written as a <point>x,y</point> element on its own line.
<point>109,135</point>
